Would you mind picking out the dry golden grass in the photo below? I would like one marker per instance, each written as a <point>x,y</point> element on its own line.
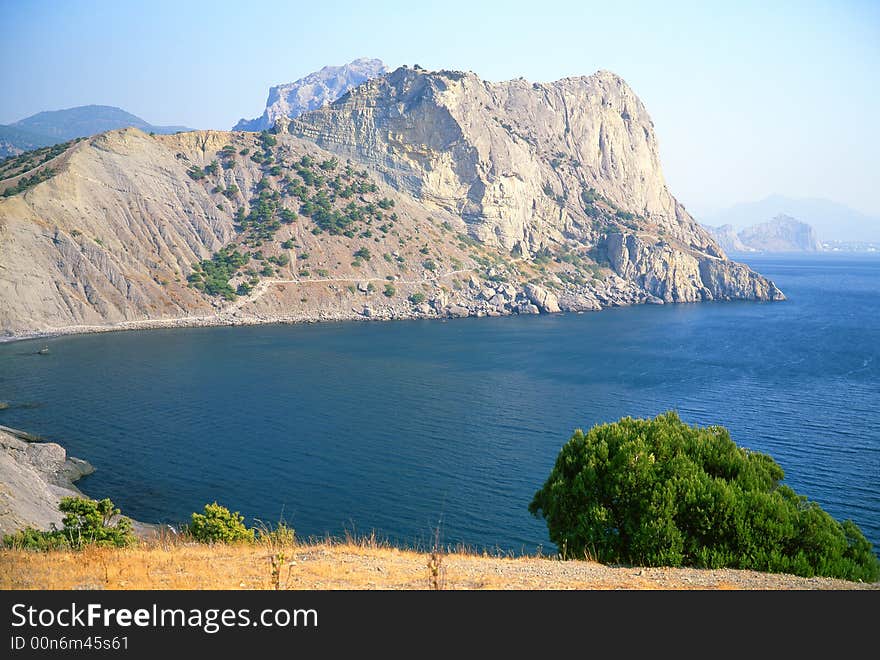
<point>350,564</point>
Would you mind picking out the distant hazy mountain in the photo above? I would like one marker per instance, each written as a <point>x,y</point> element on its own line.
<point>313,91</point>
<point>728,239</point>
<point>54,126</point>
<point>831,221</point>
<point>781,234</point>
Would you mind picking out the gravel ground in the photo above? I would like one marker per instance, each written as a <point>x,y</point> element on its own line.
<point>408,570</point>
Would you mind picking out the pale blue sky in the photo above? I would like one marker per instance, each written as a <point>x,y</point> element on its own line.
<point>748,98</point>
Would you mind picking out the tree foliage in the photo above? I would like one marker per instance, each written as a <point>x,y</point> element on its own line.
<point>217,524</point>
<point>658,492</point>
<point>86,522</point>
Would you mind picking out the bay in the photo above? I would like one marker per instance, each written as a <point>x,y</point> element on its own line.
<point>400,427</point>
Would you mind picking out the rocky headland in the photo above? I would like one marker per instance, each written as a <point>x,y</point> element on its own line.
<point>417,194</point>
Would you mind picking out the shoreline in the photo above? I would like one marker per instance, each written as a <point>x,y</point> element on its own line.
<point>216,321</point>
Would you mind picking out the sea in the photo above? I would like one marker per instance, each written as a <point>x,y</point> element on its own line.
<point>413,431</point>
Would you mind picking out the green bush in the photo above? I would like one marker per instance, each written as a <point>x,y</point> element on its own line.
<point>86,522</point>
<point>417,298</point>
<point>35,539</point>
<point>662,493</point>
<point>218,525</point>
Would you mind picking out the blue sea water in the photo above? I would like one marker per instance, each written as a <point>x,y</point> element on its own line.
<point>398,427</point>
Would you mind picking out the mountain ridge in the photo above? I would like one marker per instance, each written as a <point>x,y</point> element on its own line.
<point>831,220</point>
<point>51,127</point>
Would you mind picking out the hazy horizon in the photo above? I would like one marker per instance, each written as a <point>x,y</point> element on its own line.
<point>747,102</point>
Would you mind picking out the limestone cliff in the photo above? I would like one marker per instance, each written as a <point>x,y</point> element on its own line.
<point>531,167</point>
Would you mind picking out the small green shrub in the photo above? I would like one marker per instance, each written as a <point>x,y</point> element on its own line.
<point>282,535</point>
<point>35,539</point>
<point>216,524</point>
<point>417,298</point>
<point>86,522</point>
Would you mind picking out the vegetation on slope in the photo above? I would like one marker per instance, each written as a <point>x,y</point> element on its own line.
<point>341,201</point>
<point>18,165</point>
<point>662,493</point>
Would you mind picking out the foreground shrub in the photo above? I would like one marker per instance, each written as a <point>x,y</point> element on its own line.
<point>35,539</point>
<point>217,524</point>
<point>661,493</point>
<point>282,535</point>
<point>86,522</point>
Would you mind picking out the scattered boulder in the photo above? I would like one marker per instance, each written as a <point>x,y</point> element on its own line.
<point>543,299</point>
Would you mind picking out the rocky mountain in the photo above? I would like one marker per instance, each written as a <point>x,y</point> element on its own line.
<point>313,91</point>
<point>535,168</point>
<point>53,127</point>
<point>416,195</point>
<point>831,220</point>
<point>781,234</point>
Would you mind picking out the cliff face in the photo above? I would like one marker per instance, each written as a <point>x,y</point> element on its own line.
<point>531,167</point>
<point>313,91</point>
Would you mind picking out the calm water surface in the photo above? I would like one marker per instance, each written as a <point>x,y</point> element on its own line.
<point>395,427</point>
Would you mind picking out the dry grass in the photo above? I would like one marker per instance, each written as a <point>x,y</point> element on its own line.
<point>350,564</point>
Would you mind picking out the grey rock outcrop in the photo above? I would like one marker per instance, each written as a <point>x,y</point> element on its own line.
<point>544,300</point>
<point>312,91</point>
<point>676,275</point>
<point>34,476</point>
